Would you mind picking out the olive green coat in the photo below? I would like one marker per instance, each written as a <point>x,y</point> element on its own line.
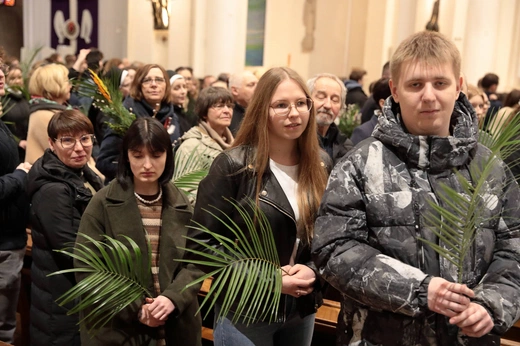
<point>113,211</point>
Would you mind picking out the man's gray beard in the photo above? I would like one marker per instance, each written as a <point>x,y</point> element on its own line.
<point>324,119</point>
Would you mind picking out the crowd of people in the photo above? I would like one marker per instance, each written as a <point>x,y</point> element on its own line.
<point>347,211</point>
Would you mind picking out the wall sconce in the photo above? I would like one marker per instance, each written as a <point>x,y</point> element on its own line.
<point>161,14</point>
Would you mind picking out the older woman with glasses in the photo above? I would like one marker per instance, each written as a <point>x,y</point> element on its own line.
<point>150,96</point>
<point>211,136</point>
<point>277,162</point>
<point>60,185</point>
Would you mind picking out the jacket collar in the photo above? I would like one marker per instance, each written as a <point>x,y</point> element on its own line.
<point>141,109</point>
<point>431,153</point>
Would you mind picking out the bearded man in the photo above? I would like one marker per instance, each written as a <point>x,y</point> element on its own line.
<point>329,93</point>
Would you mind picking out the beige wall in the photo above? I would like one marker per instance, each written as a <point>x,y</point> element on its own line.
<point>210,34</point>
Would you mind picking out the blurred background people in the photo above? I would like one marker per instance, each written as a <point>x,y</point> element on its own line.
<point>179,92</point>
<point>511,109</point>
<point>17,107</point>
<point>328,93</point>
<point>355,93</point>
<point>14,214</point>
<point>189,104</point>
<point>150,96</point>
<point>489,84</point>
<point>50,90</point>
<point>242,86</point>
<point>476,98</point>
<point>380,93</point>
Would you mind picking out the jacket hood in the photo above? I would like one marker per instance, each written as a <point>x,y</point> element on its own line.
<point>351,84</point>
<point>432,153</point>
<point>49,169</point>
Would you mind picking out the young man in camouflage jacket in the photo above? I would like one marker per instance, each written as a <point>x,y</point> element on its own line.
<point>396,289</point>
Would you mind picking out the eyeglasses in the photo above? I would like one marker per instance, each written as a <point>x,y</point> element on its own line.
<point>4,68</point>
<point>70,142</point>
<point>478,105</point>
<point>220,106</point>
<point>283,108</point>
<point>157,80</point>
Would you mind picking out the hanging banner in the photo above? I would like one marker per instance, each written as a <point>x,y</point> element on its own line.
<point>74,25</point>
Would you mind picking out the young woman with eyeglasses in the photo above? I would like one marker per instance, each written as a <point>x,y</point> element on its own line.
<point>145,205</point>
<point>277,162</point>
<point>150,96</point>
<point>211,136</point>
<point>60,185</point>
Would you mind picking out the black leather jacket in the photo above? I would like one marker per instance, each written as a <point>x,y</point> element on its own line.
<point>231,176</point>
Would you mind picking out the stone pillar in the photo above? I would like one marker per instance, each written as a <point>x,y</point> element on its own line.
<point>480,39</point>
<point>219,40</point>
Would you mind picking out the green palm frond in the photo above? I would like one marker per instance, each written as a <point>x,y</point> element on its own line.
<point>26,65</point>
<point>6,105</point>
<point>247,275</point>
<point>108,98</point>
<point>190,170</point>
<point>116,279</point>
<point>458,215</point>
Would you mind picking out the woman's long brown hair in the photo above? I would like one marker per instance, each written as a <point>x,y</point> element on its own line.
<point>254,131</point>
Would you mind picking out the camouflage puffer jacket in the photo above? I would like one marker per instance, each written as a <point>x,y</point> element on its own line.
<point>372,214</point>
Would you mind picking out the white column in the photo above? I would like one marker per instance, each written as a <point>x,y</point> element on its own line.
<point>37,29</point>
<point>219,36</point>
<point>180,40</point>
<point>112,28</point>
<point>480,39</point>
<point>405,21</point>
<point>141,36</point>
<point>379,27</point>
<point>504,53</point>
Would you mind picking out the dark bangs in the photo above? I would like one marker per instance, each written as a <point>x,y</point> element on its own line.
<point>149,133</point>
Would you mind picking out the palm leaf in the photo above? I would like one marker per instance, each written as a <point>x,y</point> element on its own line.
<point>6,106</point>
<point>107,97</point>
<point>26,65</point>
<point>190,170</point>
<point>248,275</point>
<point>457,216</point>
<point>116,279</point>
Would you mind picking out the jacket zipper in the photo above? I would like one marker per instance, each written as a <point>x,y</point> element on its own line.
<point>284,316</point>
<point>417,225</point>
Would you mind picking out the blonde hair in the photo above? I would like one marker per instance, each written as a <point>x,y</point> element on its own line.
<point>50,81</point>
<point>426,46</point>
<point>254,131</point>
<point>474,91</point>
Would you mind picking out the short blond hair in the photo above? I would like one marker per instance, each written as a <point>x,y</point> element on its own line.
<point>50,81</point>
<point>426,46</point>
